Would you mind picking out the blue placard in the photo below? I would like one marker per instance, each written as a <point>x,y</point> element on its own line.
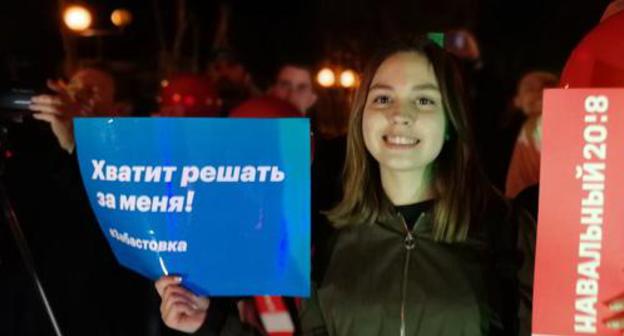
<point>225,203</point>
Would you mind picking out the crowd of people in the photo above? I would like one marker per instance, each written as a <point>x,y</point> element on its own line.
<point>423,215</point>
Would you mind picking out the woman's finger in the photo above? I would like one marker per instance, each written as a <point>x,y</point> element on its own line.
<point>172,299</point>
<point>177,315</point>
<point>175,305</point>
<point>203,302</point>
<point>615,322</point>
<point>199,302</point>
<point>168,301</point>
<point>164,281</point>
<point>616,304</point>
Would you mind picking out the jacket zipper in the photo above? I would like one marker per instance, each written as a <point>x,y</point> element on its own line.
<point>409,243</point>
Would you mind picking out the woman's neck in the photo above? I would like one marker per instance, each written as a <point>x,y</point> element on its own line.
<point>407,187</point>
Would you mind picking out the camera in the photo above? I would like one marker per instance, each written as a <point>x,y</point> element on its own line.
<point>14,102</point>
<point>16,99</point>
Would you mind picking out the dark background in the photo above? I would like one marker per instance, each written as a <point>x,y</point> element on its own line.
<point>515,36</point>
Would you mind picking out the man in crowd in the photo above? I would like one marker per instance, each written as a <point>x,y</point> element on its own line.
<point>293,83</point>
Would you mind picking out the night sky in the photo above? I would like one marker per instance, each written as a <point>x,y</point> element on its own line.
<point>515,36</point>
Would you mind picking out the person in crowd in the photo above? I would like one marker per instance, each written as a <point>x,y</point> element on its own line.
<point>89,92</point>
<point>425,242</point>
<point>189,96</point>
<point>294,84</point>
<point>613,8</point>
<point>524,166</point>
<point>529,145</point>
<point>77,267</point>
<point>232,79</point>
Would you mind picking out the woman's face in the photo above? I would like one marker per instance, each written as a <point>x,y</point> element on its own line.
<point>404,121</point>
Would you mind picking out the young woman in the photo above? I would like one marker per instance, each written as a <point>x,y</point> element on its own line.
<point>426,247</point>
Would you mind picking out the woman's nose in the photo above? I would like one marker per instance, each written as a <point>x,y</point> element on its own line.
<point>401,117</point>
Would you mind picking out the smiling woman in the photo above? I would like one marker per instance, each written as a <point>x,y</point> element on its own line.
<point>425,246</point>
<point>412,92</point>
<point>404,123</point>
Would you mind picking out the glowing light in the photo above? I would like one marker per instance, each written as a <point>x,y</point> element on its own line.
<point>77,18</point>
<point>164,83</point>
<point>326,77</point>
<point>347,78</point>
<point>121,17</point>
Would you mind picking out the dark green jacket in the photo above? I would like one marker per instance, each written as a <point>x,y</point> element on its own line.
<point>382,282</point>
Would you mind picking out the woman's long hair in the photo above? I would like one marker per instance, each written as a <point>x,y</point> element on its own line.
<point>458,182</point>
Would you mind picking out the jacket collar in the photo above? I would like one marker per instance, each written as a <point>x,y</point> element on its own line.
<point>395,223</point>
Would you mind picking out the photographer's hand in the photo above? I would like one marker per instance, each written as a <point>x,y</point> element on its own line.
<point>59,110</point>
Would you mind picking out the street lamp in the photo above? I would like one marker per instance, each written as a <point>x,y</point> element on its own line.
<point>347,78</point>
<point>326,77</point>
<point>121,17</point>
<point>77,18</point>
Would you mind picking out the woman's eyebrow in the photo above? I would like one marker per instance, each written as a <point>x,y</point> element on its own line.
<point>380,86</point>
<point>425,86</point>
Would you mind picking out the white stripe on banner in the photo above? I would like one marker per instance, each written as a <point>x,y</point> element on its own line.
<point>277,322</point>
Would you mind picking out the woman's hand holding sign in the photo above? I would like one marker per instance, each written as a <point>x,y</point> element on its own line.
<point>616,305</point>
<point>180,309</point>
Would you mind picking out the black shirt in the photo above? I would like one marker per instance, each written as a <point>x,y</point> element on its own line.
<point>411,212</point>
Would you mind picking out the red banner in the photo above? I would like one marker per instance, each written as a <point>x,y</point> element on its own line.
<point>274,315</point>
<point>580,235</point>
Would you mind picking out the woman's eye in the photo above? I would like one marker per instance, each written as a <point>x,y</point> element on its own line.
<point>381,100</point>
<point>424,101</point>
